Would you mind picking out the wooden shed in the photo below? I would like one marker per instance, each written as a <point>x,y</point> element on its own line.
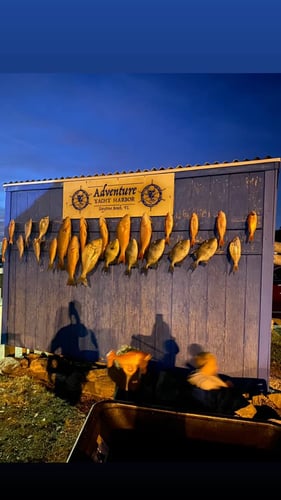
<point>168,314</point>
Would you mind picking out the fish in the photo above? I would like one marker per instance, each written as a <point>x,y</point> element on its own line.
<point>252,221</point>
<point>221,227</point>
<point>64,237</point>
<point>169,224</point>
<point>145,235</point>
<point>89,259</point>
<point>20,245</point>
<point>131,255</point>
<point>123,235</point>
<point>235,252</point>
<point>154,253</point>
<point>37,249</point>
<point>193,228</point>
<point>52,252</point>
<point>178,253</point>
<point>27,232</point>
<point>83,233</point>
<point>43,227</point>
<point>111,253</point>
<point>130,363</point>
<point>12,226</point>
<point>104,234</point>
<point>73,253</point>
<point>204,253</point>
<point>5,244</point>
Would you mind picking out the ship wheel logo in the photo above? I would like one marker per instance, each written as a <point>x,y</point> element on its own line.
<point>151,195</point>
<point>80,199</point>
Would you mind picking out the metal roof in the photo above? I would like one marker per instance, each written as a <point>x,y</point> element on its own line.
<point>206,165</point>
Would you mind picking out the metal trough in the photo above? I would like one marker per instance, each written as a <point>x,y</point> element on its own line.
<point>116,431</point>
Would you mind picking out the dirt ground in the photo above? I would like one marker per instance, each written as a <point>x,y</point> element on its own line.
<point>41,416</point>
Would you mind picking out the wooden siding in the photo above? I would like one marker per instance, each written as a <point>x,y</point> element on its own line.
<point>169,315</point>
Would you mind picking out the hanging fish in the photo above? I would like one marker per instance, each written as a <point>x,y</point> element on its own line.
<point>204,253</point>
<point>83,233</point>
<point>43,227</point>
<point>252,221</point>
<point>111,253</point>
<point>235,252</point>
<point>72,259</point>
<point>104,234</point>
<point>64,237</point>
<point>5,244</point>
<point>221,227</point>
<point>178,253</point>
<point>123,235</point>
<point>52,252</point>
<point>12,226</point>
<point>145,235</point>
<point>169,223</point>
<point>89,258</point>
<point>27,232</point>
<point>131,255</point>
<point>37,249</point>
<point>193,228</point>
<point>20,245</point>
<point>154,253</point>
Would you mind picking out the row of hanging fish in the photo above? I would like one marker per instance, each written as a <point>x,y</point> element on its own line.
<point>123,248</point>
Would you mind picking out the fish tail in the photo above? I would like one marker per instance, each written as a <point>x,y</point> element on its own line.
<point>71,282</point>
<point>128,272</point>
<point>250,237</point>
<point>121,259</point>
<point>140,255</point>
<point>171,268</point>
<point>50,266</point>
<point>235,267</point>
<point>167,240</point>
<point>83,280</point>
<point>105,268</point>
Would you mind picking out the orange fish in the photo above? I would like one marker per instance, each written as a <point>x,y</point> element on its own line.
<point>20,245</point>
<point>64,237</point>
<point>52,252</point>
<point>123,235</point>
<point>193,228</point>
<point>169,224</point>
<point>36,248</point>
<point>221,227</point>
<point>4,248</point>
<point>89,258</point>
<point>43,227</point>
<point>27,231</point>
<point>130,362</point>
<point>83,233</point>
<point>252,221</point>
<point>12,227</point>
<point>72,259</point>
<point>104,234</point>
<point>235,252</point>
<point>145,235</point>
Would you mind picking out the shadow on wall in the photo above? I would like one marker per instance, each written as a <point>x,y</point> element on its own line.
<point>160,344</point>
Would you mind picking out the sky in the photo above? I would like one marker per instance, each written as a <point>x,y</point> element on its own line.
<point>71,124</point>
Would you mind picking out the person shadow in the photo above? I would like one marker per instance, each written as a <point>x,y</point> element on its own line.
<point>68,366</point>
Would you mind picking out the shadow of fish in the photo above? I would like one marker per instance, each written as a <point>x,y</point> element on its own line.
<point>204,253</point>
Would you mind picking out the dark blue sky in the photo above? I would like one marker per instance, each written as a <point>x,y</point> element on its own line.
<point>58,125</point>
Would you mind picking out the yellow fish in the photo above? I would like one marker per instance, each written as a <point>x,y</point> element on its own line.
<point>111,253</point>
<point>221,227</point>
<point>43,227</point>
<point>52,252</point>
<point>193,228</point>
<point>169,224</point>
<point>27,231</point>
<point>178,253</point>
<point>72,259</point>
<point>235,252</point>
<point>154,253</point>
<point>20,245</point>
<point>104,234</point>
<point>37,249</point>
<point>83,233</point>
<point>64,237</point>
<point>5,244</point>
<point>252,221</point>
<point>131,255</point>
<point>123,235</point>
<point>145,235</point>
<point>90,257</point>
<point>204,253</point>
<point>12,227</point>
